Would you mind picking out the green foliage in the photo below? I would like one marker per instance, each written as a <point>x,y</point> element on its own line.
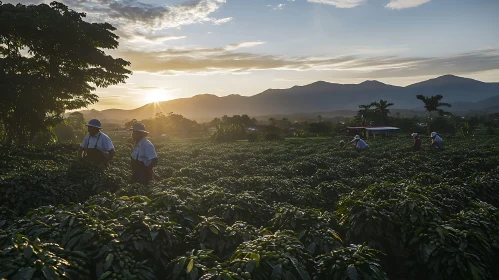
<point>65,63</point>
<point>353,262</point>
<point>443,125</point>
<point>229,133</point>
<point>292,209</point>
<point>433,103</point>
<point>173,125</point>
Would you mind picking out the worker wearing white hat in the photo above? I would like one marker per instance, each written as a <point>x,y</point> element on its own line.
<point>359,143</point>
<point>436,141</point>
<point>342,144</point>
<point>96,147</point>
<point>417,142</point>
<point>144,157</point>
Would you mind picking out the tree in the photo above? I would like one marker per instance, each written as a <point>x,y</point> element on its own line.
<point>51,61</point>
<point>381,108</point>
<point>130,123</point>
<point>77,122</point>
<point>365,114</point>
<point>433,103</point>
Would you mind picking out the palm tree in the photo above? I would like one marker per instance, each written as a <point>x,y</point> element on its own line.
<point>433,103</point>
<point>381,108</point>
<point>364,113</point>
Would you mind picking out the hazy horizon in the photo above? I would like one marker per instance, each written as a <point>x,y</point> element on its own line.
<point>184,48</point>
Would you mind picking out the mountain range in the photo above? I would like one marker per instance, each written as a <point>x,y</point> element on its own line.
<point>465,95</point>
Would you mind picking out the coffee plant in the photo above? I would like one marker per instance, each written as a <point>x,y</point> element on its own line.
<point>297,209</point>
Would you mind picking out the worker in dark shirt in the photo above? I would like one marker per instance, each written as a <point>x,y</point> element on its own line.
<point>417,143</point>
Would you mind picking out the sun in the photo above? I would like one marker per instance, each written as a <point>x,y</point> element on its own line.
<point>156,95</point>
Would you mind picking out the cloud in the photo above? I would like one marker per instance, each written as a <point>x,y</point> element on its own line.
<point>222,20</point>
<point>243,45</point>
<point>134,16</point>
<point>277,7</point>
<point>403,4</point>
<point>227,60</point>
<point>339,3</point>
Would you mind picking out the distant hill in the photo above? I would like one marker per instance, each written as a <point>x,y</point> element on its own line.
<point>466,94</point>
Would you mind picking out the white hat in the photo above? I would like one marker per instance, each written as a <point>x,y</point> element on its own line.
<point>433,134</point>
<point>140,127</point>
<point>357,137</point>
<point>94,123</point>
<point>414,135</point>
<point>341,141</point>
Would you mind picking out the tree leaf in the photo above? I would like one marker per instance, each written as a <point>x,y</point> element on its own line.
<point>79,253</point>
<point>194,273</point>
<point>311,248</point>
<point>250,266</point>
<point>154,234</point>
<point>214,230</point>
<point>105,275</point>
<point>26,273</point>
<point>352,272</point>
<point>28,252</point>
<point>109,261</point>
<point>178,269</point>
<point>127,274</point>
<point>276,272</point>
<point>337,236</point>
<point>300,269</point>
<point>301,234</point>
<point>474,272</point>
<point>49,273</point>
<point>189,267</point>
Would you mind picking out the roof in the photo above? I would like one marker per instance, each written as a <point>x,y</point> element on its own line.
<point>382,128</point>
<point>374,128</point>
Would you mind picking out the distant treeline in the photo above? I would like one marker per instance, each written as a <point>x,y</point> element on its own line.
<point>243,127</point>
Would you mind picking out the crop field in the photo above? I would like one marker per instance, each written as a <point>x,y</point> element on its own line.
<point>293,209</point>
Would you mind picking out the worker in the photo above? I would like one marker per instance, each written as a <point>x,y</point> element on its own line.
<point>359,143</point>
<point>96,147</point>
<point>144,157</point>
<point>417,143</point>
<point>436,141</point>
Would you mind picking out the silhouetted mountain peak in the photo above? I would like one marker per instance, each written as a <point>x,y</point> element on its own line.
<point>447,80</point>
<point>320,96</point>
<point>372,83</point>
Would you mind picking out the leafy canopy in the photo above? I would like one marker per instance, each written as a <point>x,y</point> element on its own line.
<point>51,61</point>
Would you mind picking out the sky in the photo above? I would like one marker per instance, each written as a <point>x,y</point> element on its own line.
<point>180,48</point>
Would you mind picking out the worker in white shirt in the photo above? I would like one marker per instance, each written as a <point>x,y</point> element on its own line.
<point>96,147</point>
<point>436,141</point>
<point>144,157</point>
<point>359,143</point>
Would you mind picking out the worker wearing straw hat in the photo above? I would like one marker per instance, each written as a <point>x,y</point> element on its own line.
<point>96,147</point>
<point>417,142</point>
<point>359,143</point>
<point>144,157</point>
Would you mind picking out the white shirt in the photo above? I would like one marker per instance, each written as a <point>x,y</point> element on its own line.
<point>100,141</point>
<point>360,145</point>
<point>438,139</point>
<point>144,151</point>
